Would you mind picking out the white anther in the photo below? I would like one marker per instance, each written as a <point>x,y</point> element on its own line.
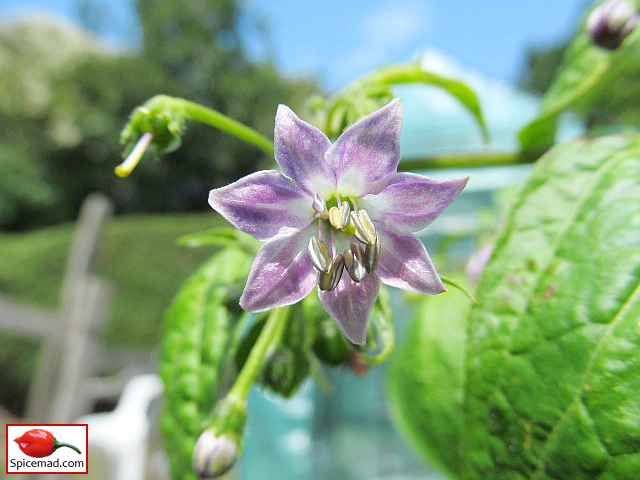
<point>319,255</point>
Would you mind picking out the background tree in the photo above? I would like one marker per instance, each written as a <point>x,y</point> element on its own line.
<point>65,98</point>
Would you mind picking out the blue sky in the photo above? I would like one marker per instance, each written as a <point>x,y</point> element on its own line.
<point>337,40</point>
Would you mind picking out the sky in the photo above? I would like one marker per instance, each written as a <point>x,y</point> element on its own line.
<point>339,40</point>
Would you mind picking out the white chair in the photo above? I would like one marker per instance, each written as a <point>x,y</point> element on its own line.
<point>123,433</point>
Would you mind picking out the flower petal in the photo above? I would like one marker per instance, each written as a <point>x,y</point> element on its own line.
<point>263,202</point>
<point>409,202</point>
<point>281,273</point>
<point>368,150</point>
<point>350,304</point>
<point>404,263</point>
<point>299,151</point>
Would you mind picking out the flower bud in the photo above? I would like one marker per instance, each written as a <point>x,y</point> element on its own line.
<point>611,22</point>
<point>214,455</point>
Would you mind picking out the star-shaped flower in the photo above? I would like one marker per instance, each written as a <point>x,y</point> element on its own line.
<point>338,216</point>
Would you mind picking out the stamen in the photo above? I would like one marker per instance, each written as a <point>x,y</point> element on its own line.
<point>319,255</point>
<point>339,216</point>
<point>372,255</point>
<point>354,262</point>
<point>320,206</point>
<point>365,229</point>
<point>329,281</point>
<point>134,157</point>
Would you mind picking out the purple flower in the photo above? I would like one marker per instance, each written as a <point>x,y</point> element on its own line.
<point>337,215</point>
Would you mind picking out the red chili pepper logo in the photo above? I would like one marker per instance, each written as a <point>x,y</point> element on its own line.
<point>40,443</point>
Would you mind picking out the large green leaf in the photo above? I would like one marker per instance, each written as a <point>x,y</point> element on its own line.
<point>425,382</point>
<point>199,328</point>
<point>552,354</point>
<point>553,351</point>
<point>585,67</point>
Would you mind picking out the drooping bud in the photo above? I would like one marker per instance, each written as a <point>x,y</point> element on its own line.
<point>611,22</point>
<point>365,230</point>
<point>319,255</point>
<point>214,455</point>
<point>372,255</point>
<point>329,281</point>
<point>354,263</point>
<point>339,216</point>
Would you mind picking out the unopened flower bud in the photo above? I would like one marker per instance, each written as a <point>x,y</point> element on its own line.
<point>214,455</point>
<point>610,23</point>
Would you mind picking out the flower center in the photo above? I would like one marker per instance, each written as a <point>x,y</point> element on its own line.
<point>364,243</point>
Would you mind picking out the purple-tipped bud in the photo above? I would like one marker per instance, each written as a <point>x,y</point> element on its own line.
<point>478,260</point>
<point>610,23</point>
<point>214,455</point>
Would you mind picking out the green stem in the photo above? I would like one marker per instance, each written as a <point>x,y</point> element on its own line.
<point>385,333</point>
<point>468,160</point>
<point>57,445</point>
<point>203,114</point>
<point>269,337</point>
<point>455,284</point>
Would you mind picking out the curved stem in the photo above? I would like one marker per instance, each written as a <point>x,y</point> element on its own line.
<point>468,160</point>
<point>57,445</point>
<point>203,114</point>
<point>269,337</point>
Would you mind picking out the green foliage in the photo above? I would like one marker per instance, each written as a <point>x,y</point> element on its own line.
<point>551,375</point>
<point>196,349</point>
<point>585,79</point>
<point>65,98</point>
<point>425,385</point>
<point>372,91</point>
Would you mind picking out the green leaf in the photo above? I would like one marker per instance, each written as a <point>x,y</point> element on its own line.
<point>425,382</point>
<point>371,92</point>
<point>226,237</point>
<point>585,66</point>
<point>553,351</point>
<point>199,332</point>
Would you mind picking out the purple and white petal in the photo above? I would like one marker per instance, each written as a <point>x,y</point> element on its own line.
<point>350,304</point>
<point>368,150</point>
<point>299,150</point>
<point>281,273</point>
<point>263,202</point>
<point>404,263</point>
<point>409,202</point>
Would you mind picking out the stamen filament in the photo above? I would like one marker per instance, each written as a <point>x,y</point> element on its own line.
<point>134,157</point>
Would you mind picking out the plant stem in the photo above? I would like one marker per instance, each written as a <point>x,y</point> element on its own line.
<point>216,119</point>
<point>468,160</point>
<point>269,336</point>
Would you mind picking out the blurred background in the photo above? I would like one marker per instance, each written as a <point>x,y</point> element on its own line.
<point>71,71</point>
